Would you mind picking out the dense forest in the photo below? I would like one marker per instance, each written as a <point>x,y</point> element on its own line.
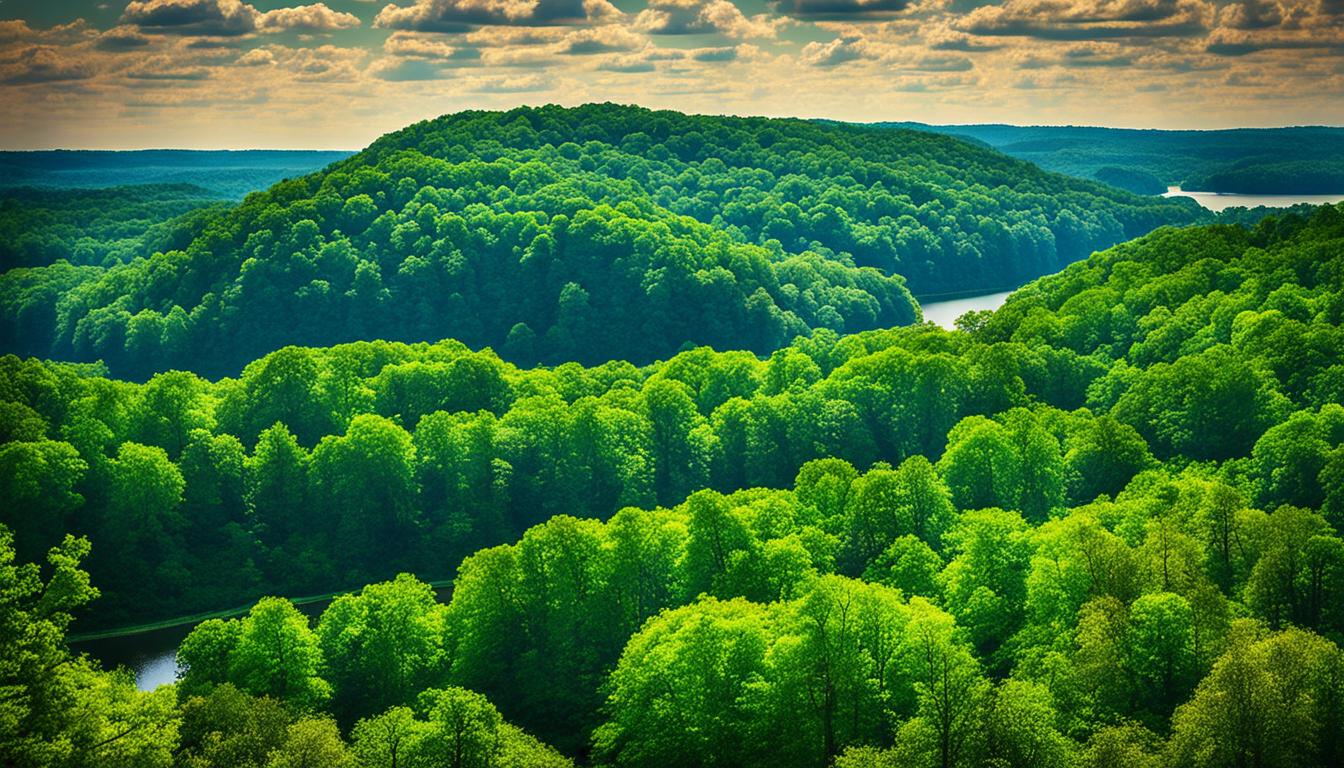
<point>99,227</point>
<point>1098,527</point>
<point>590,234</point>
<point>1245,160</point>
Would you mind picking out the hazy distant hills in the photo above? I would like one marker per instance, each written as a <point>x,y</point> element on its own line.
<point>224,174</point>
<point>1306,160</point>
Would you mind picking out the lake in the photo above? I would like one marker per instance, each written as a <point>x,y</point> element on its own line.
<point>945,313</point>
<point>1217,201</point>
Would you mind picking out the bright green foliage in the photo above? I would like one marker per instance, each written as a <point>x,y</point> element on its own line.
<point>458,729</point>
<point>311,742</point>
<point>1270,700</point>
<point>1097,526</point>
<point>1020,728</point>
<point>58,710</point>
<point>985,581</point>
<point>739,683</point>
<point>382,646</point>
<point>270,652</point>
<point>229,729</point>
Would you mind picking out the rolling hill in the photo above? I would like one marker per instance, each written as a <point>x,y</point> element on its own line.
<point>588,234</point>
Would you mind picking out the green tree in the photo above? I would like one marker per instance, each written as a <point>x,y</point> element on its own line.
<point>277,655</point>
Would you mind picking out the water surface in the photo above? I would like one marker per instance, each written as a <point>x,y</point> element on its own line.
<point>1217,201</point>
<point>945,313</point>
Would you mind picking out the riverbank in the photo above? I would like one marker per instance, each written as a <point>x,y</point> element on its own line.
<point>228,613</point>
<point>149,650</point>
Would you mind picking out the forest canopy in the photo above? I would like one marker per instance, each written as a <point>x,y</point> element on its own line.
<point>786,525</point>
<point>1099,526</point>
<point>589,234</point>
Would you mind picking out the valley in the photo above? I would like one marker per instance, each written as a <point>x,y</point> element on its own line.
<point>606,436</point>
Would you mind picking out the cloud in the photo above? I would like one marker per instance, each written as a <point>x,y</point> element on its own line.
<point>628,64</point>
<point>837,51</point>
<point>464,15</point>
<point>306,18</point>
<point>521,84</point>
<point>493,36</point>
<point>841,9</point>
<point>216,18</point>
<point>725,53</point>
<point>231,18</point>
<point>1252,14</point>
<point>647,59</point>
<point>122,38</point>
<point>949,40</point>
<point>1251,27</point>
<point>417,46</point>
<point>1085,55</point>
<point>936,63</point>
<point>1088,19</point>
<point>399,70</point>
<point>604,39</point>
<point>15,29</point>
<point>257,57</point>
<point>161,68</point>
<point>42,64</point>
<point>685,17</point>
<point>1238,43</point>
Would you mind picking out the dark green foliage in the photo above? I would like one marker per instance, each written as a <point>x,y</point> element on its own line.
<point>587,234</point>
<point>99,227</point>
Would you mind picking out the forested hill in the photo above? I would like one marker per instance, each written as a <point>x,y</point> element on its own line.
<point>588,234</point>
<point>1298,160</point>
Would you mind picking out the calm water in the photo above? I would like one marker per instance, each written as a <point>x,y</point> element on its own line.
<point>152,656</point>
<point>945,313</point>
<point>1217,201</point>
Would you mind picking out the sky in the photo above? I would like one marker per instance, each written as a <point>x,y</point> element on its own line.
<point>112,74</point>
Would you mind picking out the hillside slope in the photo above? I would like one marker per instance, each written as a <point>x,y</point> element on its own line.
<point>319,468</point>
<point>588,234</point>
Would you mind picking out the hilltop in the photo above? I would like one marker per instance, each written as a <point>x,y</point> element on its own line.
<point>588,234</point>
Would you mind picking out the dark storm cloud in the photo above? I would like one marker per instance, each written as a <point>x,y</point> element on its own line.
<point>463,15</point>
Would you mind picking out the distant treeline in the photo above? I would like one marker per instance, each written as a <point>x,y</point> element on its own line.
<point>226,174</point>
<point>1301,161</point>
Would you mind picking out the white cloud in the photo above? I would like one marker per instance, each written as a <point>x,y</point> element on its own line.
<point>306,18</point>
<point>682,17</point>
<point>231,18</point>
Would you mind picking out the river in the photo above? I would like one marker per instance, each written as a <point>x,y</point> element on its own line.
<point>945,313</point>
<point>1217,201</point>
